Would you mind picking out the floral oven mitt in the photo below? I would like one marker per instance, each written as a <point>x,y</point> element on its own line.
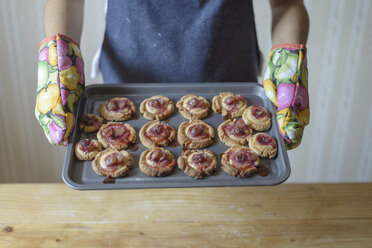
<point>60,84</point>
<point>286,85</point>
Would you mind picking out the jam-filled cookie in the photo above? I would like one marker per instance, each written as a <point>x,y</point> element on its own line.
<point>193,107</point>
<point>195,134</point>
<point>89,123</point>
<point>230,105</point>
<point>156,133</point>
<point>239,161</point>
<point>258,117</point>
<point>197,163</point>
<point>234,132</point>
<point>116,135</point>
<point>157,162</point>
<point>113,163</point>
<point>157,108</point>
<point>87,149</point>
<point>117,109</point>
<point>264,145</point>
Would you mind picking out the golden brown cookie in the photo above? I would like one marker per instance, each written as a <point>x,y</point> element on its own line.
<point>157,162</point>
<point>239,161</point>
<point>264,145</point>
<point>197,163</point>
<point>156,133</point>
<point>89,123</point>
<point>87,149</point>
<point>116,135</point>
<point>234,132</point>
<point>195,134</point>
<point>193,107</point>
<point>157,108</point>
<point>113,163</point>
<point>258,117</point>
<point>230,105</point>
<point>117,109</point>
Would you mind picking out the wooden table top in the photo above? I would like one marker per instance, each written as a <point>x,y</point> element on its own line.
<point>289,215</point>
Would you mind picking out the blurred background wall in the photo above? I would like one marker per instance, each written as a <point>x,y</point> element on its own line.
<point>337,145</point>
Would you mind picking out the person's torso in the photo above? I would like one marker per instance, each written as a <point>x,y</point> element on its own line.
<point>179,41</point>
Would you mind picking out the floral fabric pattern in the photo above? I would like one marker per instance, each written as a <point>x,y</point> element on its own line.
<point>286,85</point>
<point>60,84</point>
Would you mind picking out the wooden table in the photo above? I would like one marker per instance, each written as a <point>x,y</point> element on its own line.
<point>289,215</point>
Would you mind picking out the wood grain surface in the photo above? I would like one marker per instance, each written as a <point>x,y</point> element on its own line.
<point>289,215</point>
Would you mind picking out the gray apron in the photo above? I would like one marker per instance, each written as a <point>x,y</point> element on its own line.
<point>179,41</point>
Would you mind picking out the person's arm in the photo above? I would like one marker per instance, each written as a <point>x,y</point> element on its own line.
<point>290,22</point>
<point>61,77</point>
<point>64,17</point>
<point>285,79</point>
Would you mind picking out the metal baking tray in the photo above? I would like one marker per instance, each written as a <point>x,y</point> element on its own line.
<point>80,175</point>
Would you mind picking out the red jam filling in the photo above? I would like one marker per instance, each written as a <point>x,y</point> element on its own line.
<point>87,146</point>
<point>90,120</point>
<point>158,132</point>
<point>116,133</point>
<point>230,100</point>
<point>238,128</point>
<point>200,160</point>
<point>195,103</point>
<point>198,132</point>
<point>117,105</point>
<point>233,101</point>
<point>258,112</point>
<point>157,103</point>
<point>158,156</point>
<point>243,158</point>
<point>113,161</point>
<point>265,139</point>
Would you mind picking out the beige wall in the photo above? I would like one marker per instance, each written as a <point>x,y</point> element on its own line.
<point>337,145</point>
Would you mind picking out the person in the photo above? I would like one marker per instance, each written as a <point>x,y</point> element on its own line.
<point>176,41</point>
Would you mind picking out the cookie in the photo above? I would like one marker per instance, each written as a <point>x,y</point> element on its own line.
<point>234,132</point>
<point>157,108</point>
<point>193,107</point>
<point>195,134</point>
<point>89,123</point>
<point>117,109</point>
<point>113,163</point>
<point>157,162</point>
<point>264,145</point>
<point>258,117</point>
<point>87,149</point>
<point>156,133</point>
<point>239,161</point>
<point>197,163</point>
<point>230,105</point>
<point>116,135</point>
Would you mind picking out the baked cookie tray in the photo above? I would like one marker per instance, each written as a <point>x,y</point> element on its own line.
<point>80,175</point>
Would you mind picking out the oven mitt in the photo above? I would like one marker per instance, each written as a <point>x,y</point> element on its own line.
<point>286,85</point>
<point>60,84</point>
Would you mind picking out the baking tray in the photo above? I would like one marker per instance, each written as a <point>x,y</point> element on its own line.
<point>80,175</point>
